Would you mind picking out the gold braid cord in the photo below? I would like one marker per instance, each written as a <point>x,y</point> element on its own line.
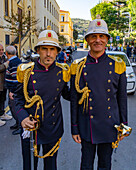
<point>50,153</point>
<point>30,103</point>
<point>85,90</point>
<point>35,98</point>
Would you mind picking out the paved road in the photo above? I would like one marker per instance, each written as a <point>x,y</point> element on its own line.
<point>69,152</point>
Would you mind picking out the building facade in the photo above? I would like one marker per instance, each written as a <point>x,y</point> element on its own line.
<point>66,27</point>
<point>46,12</point>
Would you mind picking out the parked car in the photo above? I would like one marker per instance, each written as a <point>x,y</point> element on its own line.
<point>131,77</point>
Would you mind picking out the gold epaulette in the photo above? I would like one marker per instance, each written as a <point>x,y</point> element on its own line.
<point>120,66</point>
<point>21,70</point>
<point>65,70</point>
<point>74,65</point>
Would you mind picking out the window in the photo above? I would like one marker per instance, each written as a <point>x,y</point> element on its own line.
<point>47,22</point>
<point>54,11</point>
<point>52,26</point>
<point>62,28</point>
<point>48,4</point>
<point>50,7</point>
<point>62,18</point>
<point>45,3</point>
<point>6,8</point>
<point>7,39</point>
<point>44,22</point>
<point>20,20</point>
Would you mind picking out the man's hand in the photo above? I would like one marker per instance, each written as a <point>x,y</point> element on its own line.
<point>11,95</point>
<point>27,123</point>
<point>76,138</point>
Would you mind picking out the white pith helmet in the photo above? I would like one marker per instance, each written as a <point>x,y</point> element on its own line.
<point>48,37</point>
<point>97,26</point>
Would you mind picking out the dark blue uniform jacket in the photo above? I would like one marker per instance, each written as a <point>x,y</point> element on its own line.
<point>50,86</point>
<point>107,102</point>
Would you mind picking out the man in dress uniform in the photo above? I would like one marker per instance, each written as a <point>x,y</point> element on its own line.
<point>98,99</point>
<point>44,82</point>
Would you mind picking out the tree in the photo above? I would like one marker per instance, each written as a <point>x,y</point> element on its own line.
<point>110,12</point>
<point>62,40</point>
<point>20,25</point>
<point>75,34</point>
<point>132,10</point>
<point>122,21</point>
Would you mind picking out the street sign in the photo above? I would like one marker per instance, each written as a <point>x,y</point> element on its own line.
<point>117,38</point>
<point>111,39</point>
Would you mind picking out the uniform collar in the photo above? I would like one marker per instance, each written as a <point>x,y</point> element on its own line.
<point>12,58</point>
<point>40,66</point>
<point>94,60</point>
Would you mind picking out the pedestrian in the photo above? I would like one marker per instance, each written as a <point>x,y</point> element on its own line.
<point>122,48</point>
<point>48,81</point>
<point>98,99</point>
<point>62,56</point>
<point>129,51</point>
<point>11,84</point>
<point>3,91</point>
<point>134,54</point>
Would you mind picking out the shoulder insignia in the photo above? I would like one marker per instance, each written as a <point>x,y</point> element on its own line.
<point>120,66</point>
<point>74,65</point>
<point>65,70</point>
<point>21,70</point>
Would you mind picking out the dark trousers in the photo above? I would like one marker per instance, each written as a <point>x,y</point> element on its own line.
<point>2,101</point>
<point>104,153</point>
<point>50,163</point>
<point>12,109</point>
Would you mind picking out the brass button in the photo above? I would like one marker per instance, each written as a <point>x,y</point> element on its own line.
<point>108,90</point>
<point>109,81</point>
<point>85,74</point>
<point>91,117</point>
<point>90,99</point>
<point>108,99</point>
<point>84,66</point>
<point>109,117</point>
<point>110,63</point>
<point>32,73</point>
<point>110,72</point>
<point>109,108</point>
<point>53,114</point>
<point>53,123</point>
<point>53,106</point>
<point>91,108</point>
<point>59,80</point>
<point>34,81</point>
<point>55,98</point>
<point>57,89</point>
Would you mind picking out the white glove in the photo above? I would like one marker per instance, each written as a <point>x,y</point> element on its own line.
<point>26,133</point>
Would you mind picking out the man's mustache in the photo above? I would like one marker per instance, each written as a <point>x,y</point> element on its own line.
<point>49,57</point>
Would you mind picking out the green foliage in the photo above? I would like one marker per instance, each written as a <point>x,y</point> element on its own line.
<point>75,34</point>
<point>132,10</point>
<point>80,25</point>
<point>115,33</point>
<point>111,13</point>
<point>62,40</point>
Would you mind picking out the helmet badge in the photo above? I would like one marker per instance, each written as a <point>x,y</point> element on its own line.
<point>98,24</point>
<point>49,35</point>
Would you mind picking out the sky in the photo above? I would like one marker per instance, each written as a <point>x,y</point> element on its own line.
<point>78,8</point>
